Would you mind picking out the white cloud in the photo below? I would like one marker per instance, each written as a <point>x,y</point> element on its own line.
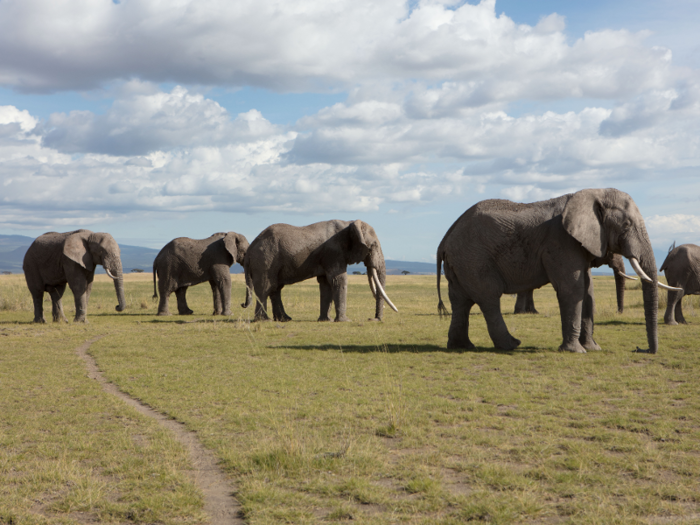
<point>301,45</point>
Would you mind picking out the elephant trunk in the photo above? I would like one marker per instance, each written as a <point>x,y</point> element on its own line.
<point>378,275</point>
<point>650,294</point>
<point>114,270</point>
<point>620,289</point>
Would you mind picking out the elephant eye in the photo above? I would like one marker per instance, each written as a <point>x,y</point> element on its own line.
<point>627,225</point>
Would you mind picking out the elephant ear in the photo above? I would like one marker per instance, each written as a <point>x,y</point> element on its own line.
<point>76,249</point>
<point>359,248</point>
<point>583,220</point>
<point>231,246</point>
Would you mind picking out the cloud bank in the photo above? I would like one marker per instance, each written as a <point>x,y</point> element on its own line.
<point>431,115</point>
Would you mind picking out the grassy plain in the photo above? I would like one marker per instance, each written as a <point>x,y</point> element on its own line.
<point>362,421</point>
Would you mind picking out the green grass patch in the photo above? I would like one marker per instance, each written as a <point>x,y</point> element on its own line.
<point>362,421</point>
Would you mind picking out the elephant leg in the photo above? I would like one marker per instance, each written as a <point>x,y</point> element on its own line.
<point>38,299</point>
<point>181,295</point>
<point>458,334</point>
<point>261,307</point>
<point>225,294</point>
<point>571,311</point>
<point>216,294</point>
<point>497,326</point>
<point>326,298</point>
<point>525,303</point>
<point>339,288</point>
<point>679,313</point>
<point>79,287</point>
<point>673,307</point>
<point>163,302</point>
<point>56,293</point>
<point>587,314</point>
<point>278,313</point>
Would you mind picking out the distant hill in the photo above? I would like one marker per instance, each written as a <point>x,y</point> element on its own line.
<point>13,248</point>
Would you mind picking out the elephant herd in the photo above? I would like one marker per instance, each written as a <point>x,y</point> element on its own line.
<point>496,247</point>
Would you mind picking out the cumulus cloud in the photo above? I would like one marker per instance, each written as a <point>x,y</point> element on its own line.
<point>142,123</point>
<point>292,46</point>
<point>427,118</point>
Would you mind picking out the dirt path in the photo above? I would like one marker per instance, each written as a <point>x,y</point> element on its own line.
<point>219,503</point>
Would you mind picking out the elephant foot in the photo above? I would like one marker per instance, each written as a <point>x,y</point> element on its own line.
<point>342,319</point>
<point>670,322</point>
<point>163,313</point>
<point>39,320</point>
<point>574,348</point>
<point>186,312</point>
<point>511,344</point>
<point>80,320</point>
<point>591,346</point>
<point>324,319</point>
<point>282,318</point>
<point>460,345</point>
<point>375,319</point>
<point>227,313</point>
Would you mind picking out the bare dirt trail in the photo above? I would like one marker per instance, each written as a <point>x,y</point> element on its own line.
<point>219,503</point>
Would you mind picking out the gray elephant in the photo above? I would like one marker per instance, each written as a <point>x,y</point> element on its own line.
<point>56,259</point>
<point>525,303</point>
<point>682,270</point>
<point>498,247</point>
<point>284,254</point>
<point>184,262</point>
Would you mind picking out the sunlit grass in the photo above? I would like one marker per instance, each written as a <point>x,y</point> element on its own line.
<point>378,422</point>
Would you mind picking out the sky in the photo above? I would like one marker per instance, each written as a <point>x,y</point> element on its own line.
<point>152,120</point>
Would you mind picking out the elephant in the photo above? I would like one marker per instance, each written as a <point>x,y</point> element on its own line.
<point>682,270</point>
<point>184,262</point>
<point>498,246</point>
<point>525,303</point>
<point>283,254</point>
<point>54,259</point>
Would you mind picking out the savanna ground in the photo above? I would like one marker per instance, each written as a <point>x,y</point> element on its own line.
<point>362,421</point>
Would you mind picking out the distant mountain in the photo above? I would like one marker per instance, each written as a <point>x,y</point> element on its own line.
<point>13,248</point>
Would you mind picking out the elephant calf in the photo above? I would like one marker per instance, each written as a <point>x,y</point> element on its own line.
<point>184,262</point>
<point>54,259</point>
<point>525,303</point>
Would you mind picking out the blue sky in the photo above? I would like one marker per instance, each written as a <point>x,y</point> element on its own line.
<point>154,121</point>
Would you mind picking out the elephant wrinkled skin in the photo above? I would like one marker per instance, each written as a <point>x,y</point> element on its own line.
<point>185,262</point>
<point>499,246</point>
<point>56,259</point>
<point>283,254</point>
<point>682,269</point>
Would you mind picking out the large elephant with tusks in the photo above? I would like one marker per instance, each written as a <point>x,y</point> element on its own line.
<point>498,247</point>
<point>283,254</point>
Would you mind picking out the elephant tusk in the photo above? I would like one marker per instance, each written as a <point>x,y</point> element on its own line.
<point>638,269</point>
<point>667,287</point>
<point>627,276</point>
<point>381,290</point>
<point>110,274</point>
<point>371,285</point>
<point>635,264</point>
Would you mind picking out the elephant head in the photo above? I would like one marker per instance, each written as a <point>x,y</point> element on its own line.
<point>89,249</point>
<point>608,220</point>
<point>364,247</point>
<point>237,245</point>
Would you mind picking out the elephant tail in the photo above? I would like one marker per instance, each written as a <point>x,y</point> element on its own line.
<point>155,290</point>
<point>442,310</point>
<point>670,249</point>
<point>248,288</point>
